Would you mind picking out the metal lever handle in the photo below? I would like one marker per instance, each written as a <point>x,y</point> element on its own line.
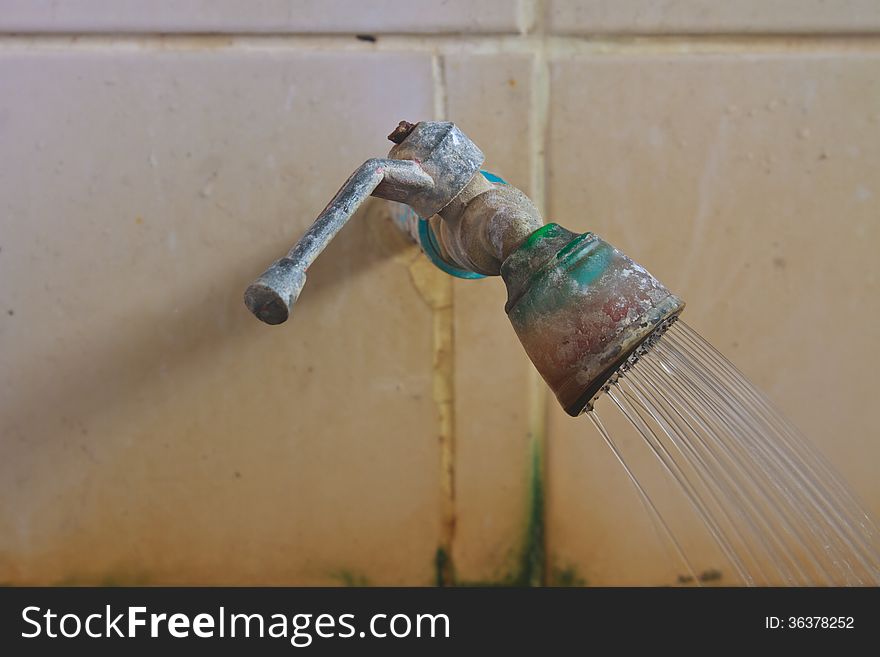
<point>271,296</point>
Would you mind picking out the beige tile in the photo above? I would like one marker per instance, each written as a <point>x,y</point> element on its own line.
<point>698,16</point>
<point>488,97</point>
<point>272,16</point>
<point>749,185</point>
<point>598,527</point>
<point>152,429</point>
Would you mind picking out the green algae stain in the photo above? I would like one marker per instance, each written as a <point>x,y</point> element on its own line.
<point>531,571</point>
<point>350,578</point>
<point>529,558</point>
<point>443,568</point>
<point>566,577</point>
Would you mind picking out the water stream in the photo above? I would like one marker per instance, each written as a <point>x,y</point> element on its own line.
<point>774,508</point>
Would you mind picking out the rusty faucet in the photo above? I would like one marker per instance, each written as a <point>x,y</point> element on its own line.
<point>580,307</point>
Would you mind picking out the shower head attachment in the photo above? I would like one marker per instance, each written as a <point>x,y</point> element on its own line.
<point>580,307</point>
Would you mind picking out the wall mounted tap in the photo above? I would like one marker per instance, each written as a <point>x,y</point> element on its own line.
<point>580,307</point>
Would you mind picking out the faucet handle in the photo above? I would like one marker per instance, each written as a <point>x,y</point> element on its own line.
<point>429,165</point>
<point>271,296</point>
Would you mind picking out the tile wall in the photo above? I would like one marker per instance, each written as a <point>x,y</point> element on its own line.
<point>156,156</point>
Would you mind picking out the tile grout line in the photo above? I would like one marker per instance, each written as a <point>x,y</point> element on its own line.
<point>531,40</point>
<point>526,17</point>
<point>444,372</point>
<point>534,11</point>
<point>438,79</point>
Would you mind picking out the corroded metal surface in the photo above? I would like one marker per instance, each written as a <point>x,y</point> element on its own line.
<point>447,155</point>
<point>401,132</point>
<point>431,165</point>
<point>481,230</point>
<point>580,308</point>
<point>271,296</point>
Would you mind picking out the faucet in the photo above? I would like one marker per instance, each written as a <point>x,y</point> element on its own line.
<point>582,310</point>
